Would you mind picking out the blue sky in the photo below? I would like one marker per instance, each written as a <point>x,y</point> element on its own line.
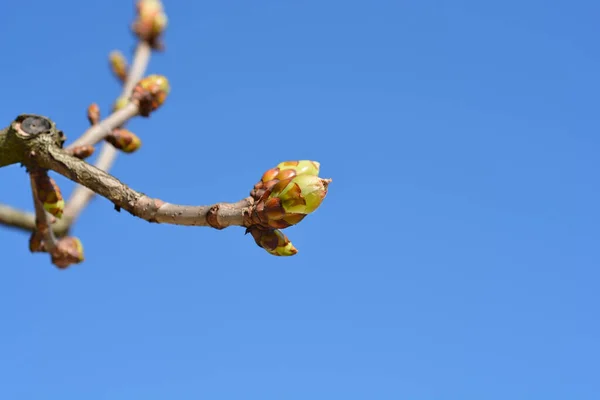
<point>455,257</point>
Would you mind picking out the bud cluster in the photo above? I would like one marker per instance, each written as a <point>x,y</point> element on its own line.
<point>288,193</point>
<point>283,197</point>
<point>150,93</point>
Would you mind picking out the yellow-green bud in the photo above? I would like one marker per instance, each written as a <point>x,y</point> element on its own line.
<point>273,241</point>
<point>289,201</point>
<point>118,65</point>
<point>150,93</point>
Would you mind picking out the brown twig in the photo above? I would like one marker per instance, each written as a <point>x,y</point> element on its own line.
<point>291,190</point>
<point>98,132</point>
<point>81,195</point>
<point>122,196</point>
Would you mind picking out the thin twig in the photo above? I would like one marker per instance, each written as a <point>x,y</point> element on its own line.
<point>138,67</point>
<point>15,218</point>
<point>122,196</point>
<point>81,195</point>
<point>98,132</point>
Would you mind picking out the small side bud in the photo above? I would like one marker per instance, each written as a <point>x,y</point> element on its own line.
<point>124,140</point>
<point>150,93</point>
<point>93,114</point>
<point>273,241</point>
<point>69,250</point>
<point>48,193</point>
<point>118,65</point>
<point>82,152</point>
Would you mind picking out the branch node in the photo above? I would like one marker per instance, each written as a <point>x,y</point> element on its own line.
<point>146,208</point>
<point>36,242</point>
<point>212,217</point>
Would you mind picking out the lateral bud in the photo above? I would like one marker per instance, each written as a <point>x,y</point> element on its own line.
<point>124,140</point>
<point>48,193</point>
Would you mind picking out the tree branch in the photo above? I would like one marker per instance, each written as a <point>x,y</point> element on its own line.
<point>15,218</point>
<point>81,195</point>
<point>138,67</point>
<point>138,204</point>
<point>108,154</point>
<point>99,131</point>
<point>282,198</point>
<point>9,150</point>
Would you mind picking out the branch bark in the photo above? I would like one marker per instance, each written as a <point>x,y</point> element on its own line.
<point>81,196</point>
<point>10,151</point>
<point>291,190</point>
<point>218,216</point>
<point>108,154</point>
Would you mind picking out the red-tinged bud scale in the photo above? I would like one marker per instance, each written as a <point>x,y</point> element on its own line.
<point>287,193</point>
<point>48,193</point>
